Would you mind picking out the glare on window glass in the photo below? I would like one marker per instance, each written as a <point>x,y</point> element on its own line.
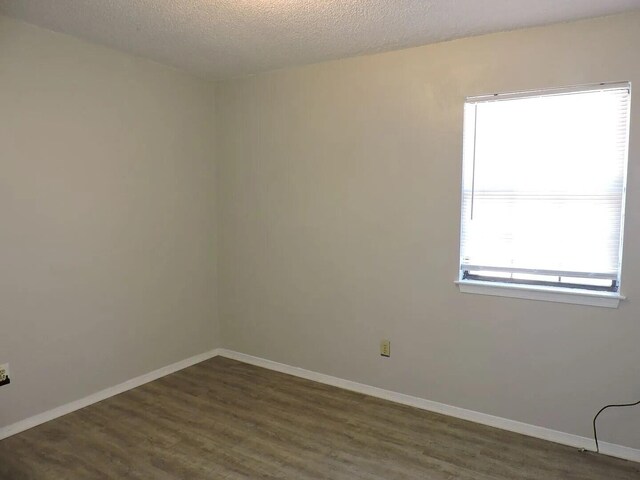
<point>543,185</point>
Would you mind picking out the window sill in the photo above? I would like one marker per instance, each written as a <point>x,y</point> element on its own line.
<point>548,294</point>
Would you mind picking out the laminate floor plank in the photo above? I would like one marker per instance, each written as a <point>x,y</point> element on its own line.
<point>223,419</point>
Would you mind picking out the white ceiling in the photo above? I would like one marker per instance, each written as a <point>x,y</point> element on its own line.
<point>227,38</point>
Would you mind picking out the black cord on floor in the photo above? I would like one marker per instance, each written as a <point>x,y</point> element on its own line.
<point>595,432</point>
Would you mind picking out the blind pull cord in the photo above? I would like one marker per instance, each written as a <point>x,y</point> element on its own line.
<point>473,167</point>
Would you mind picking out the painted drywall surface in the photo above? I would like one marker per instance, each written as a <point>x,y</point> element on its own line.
<point>339,198</point>
<point>107,208</point>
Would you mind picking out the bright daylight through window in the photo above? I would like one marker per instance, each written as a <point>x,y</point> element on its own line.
<point>544,178</point>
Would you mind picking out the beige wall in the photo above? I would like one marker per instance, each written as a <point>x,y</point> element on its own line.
<point>339,197</point>
<point>107,236</point>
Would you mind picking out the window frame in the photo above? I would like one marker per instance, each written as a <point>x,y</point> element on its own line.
<point>553,293</point>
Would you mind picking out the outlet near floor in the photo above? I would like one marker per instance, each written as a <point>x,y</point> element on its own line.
<point>4,374</point>
<point>385,348</point>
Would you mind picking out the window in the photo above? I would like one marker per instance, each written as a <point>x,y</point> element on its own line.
<point>543,190</point>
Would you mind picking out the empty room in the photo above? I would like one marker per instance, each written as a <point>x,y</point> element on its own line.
<point>319,239</point>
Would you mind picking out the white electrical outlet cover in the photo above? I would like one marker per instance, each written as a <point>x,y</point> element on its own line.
<point>4,371</point>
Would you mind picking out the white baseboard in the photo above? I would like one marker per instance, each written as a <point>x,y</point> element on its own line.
<point>563,438</point>
<point>543,433</point>
<point>62,410</point>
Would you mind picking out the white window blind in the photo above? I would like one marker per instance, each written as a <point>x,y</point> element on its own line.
<point>544,179</point>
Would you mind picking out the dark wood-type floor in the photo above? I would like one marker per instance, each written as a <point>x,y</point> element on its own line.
<point>223,419</point>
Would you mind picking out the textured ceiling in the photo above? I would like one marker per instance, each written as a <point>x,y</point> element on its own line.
<point>227,38</point>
